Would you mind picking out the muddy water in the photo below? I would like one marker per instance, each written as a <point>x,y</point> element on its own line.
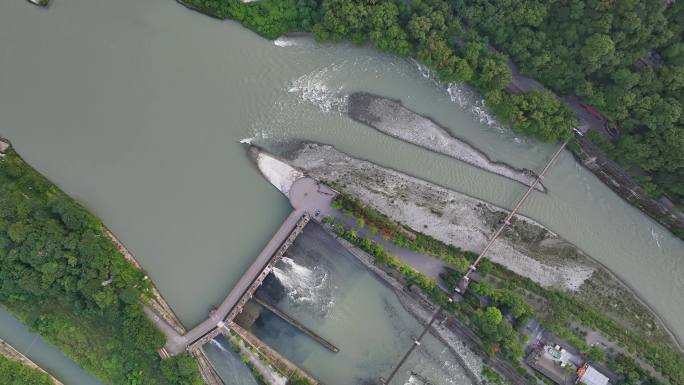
<point>135,108</point>
<point>324,287</point>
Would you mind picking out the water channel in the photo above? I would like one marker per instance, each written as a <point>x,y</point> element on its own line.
<point>136,109</point>
<point>323,286</point>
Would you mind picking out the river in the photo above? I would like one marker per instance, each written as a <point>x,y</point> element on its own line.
<point>331,292</point>
<point>136,109</point>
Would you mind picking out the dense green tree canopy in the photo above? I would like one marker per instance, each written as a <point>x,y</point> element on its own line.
<point>15,373</point>
<point>61,274</point>
<point>624,57</point>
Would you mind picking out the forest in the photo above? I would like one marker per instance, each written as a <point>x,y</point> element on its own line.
<point>425,29</point>
<point>15,373</point>
<point>625,58</point>
<point>510,294</point>
<point>61,275</point>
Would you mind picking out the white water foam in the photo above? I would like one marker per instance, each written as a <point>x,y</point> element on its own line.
<point>218,345</point>
<point>247,140</point>
<point>656,237</point>
<point>466,98</point>
<point>306,286</point>
<point>313,88</point>
<point>284,42</point>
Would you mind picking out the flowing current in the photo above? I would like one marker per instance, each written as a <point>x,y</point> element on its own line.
<point>353,310</point>
<point>227,363</point>
<point>136,109</point>
<point>307,286</point>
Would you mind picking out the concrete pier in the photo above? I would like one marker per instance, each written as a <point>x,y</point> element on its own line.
<point>246,286</point>
<point>298,325</point>
<point>281,363</point>
<point>206,369</point>
<point>308,198</point>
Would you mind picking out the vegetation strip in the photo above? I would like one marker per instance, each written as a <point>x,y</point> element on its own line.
<point>64,277</point>
<point>630,66</point>
<point>510,294</point>
<point>16,368</point>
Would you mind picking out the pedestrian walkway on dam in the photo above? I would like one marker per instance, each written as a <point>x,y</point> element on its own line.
<point>308,198</point>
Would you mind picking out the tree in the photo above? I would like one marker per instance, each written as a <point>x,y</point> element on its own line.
<point>181,370</point>
<point>596,354</point>
<point>63,276</point>
<point>597,49</point>
<point>15,373</point>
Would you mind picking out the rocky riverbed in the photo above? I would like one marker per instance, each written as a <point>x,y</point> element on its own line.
<point>526,247</point>
<point>447,215</point>
<point>392,118</point>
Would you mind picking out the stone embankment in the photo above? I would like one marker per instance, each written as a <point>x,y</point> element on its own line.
<point>615,177</point>
<point>392,118</point>
<point>447,215</point>
<point>526,247</point>
<point>156,306</point>
<point>280,363</point>
<point>13,354</point>
<point>155,301</point>
<point>296,324</point>
<point>420,309</point>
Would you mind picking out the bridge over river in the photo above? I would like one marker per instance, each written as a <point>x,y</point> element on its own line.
<point>308,198</point>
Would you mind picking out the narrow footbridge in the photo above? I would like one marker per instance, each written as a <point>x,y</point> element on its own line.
<point>463,283</point>
<point>306,197</point>
<point>465,280</point>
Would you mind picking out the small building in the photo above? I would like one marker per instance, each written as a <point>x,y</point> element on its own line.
<point>589,375</point>
<point>555,359</point>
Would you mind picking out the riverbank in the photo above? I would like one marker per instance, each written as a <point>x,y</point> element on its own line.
<point>527,248</point>
<point>154,298</point>
<point>649,339</point>
<point>392,118</point>
<point>6,350</point>
<point>617,179</point>
<point>92,325</point>
<point>269,362</point>
<point>156,306</point>
<point>422,311</point>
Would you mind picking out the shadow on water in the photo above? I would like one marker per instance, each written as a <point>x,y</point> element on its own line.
<point>328,290</point>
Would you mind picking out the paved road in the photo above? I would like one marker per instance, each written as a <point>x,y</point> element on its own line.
<point>430,266</point>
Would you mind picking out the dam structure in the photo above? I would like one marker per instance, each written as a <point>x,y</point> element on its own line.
<point>308,199</point>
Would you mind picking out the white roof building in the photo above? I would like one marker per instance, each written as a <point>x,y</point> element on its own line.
<point>591,376</point>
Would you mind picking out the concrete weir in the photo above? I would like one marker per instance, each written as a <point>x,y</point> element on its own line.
<point>308,198</point>
<point>298,325</point>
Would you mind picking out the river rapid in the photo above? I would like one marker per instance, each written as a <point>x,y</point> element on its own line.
<point>136,109</point>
